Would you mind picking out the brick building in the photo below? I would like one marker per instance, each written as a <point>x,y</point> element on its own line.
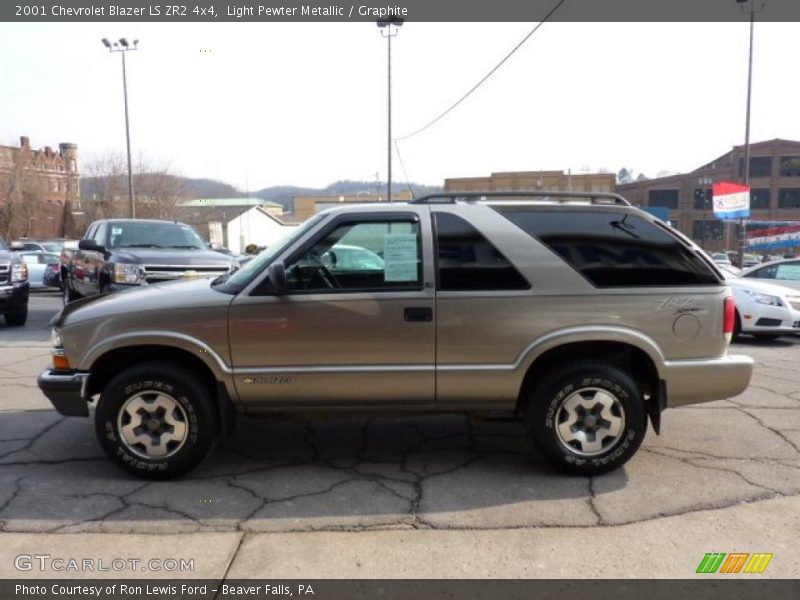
<point>774,194</point>
<point>533,181</point>
<point>39,190</point>
<point>304,207</point>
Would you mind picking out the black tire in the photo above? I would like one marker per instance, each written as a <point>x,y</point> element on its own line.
<point>546,410</point>
<point>737,326</point>
<point>194,407</point>
<point>766,337</point>
<point>17,318</point>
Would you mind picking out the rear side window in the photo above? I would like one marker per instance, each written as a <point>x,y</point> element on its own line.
<point>467,261</point>
<point>614,249</point>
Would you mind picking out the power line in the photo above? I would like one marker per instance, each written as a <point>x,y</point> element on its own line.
<point>489,74</point>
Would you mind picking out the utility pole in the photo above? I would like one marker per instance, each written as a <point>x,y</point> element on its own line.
<point>122,46</point>
<point>388,33</point>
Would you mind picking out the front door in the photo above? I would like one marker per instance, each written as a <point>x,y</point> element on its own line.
<point>356,326</point>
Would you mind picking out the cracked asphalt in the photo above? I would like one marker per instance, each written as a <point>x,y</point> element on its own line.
<point>438,496</point>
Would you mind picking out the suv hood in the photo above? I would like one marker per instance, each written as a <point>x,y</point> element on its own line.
<point>168,296</point>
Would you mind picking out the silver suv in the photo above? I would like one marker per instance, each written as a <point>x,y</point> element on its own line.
<point>578,313</point>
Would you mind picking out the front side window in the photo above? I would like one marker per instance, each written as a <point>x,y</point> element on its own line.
<point>467,261</point>
<point>360,256</point>
<point>790,271</point>
<point>615,249</point>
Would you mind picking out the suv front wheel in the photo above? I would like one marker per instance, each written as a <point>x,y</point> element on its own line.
<point>156,421</point>
<point>587,418</point>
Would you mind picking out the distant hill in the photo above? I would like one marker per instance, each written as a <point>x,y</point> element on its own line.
<point>283,194</point>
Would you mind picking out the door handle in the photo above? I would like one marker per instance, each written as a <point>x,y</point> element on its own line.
<point>418,314</point>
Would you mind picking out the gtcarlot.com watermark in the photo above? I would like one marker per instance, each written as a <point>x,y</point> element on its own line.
<point>46,563</point>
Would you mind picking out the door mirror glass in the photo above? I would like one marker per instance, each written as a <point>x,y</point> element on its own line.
<point>277,277</point>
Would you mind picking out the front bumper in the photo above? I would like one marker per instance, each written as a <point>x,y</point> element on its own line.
<point>66,391</point>
<point>695,381</point>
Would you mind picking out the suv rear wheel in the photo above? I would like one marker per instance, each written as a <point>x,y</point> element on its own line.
<point>156,421</point>
<point>587,418</point>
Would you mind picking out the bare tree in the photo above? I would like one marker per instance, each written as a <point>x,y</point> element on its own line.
<point>157,191</point>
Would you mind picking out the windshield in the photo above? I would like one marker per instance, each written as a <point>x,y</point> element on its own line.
<point>147,234</point>
<point>241,278</point>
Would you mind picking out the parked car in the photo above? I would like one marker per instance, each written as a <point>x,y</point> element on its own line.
<point>784,272</point>
<point>37,264</point>
<point>52,275</point>
<point>14,287</point>
<point>122,254</point>
<point>764,310</point>
<point>27,246</point>
<point>577,313</point>
<point>721,258</point>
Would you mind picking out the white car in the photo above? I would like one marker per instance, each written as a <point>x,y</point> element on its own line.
<point>782,272</point>
<point>764,310</point>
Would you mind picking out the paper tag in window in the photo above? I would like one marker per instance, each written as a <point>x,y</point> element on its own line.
<point>400,257</point>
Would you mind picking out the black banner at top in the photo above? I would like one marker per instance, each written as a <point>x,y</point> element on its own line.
<point>183,11</point>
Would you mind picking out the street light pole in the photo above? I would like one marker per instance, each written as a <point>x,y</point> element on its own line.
<point>746,174</point>
<point>387,23</point>
<point>123,46</point>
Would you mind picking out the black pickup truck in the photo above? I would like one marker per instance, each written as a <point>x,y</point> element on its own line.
<point>119,254</point>
<point>14,287</point>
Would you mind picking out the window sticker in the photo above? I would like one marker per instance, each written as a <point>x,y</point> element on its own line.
<point>400,257</point>
<point>116,230</point>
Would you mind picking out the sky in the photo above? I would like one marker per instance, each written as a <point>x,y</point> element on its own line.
<point>261,104</point>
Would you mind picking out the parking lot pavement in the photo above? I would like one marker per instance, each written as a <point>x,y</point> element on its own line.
<point>433,482</point>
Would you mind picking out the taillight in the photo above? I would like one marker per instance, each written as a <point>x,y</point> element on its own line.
<point>729,316</point>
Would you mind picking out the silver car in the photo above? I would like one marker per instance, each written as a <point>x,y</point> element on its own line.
<point>576,313</point>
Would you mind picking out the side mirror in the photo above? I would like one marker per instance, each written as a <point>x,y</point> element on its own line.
<point>277,277</point>
<point>92,246</point>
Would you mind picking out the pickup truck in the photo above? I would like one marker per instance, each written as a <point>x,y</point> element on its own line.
<point>577,313</point>
<point>120,254</point>
<point>14,287</point>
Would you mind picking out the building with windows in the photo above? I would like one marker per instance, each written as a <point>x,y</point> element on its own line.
<point>532,181</point>
<point>774,196</point>
<point>305,207</point>
<point>39,189</point>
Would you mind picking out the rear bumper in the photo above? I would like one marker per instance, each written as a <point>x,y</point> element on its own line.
<point>66,391</point>
<point>696,381</point>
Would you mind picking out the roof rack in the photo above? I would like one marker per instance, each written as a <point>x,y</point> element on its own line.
<point>453,197</point>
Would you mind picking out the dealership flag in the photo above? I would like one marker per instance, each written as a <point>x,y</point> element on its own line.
<point>731,200</point>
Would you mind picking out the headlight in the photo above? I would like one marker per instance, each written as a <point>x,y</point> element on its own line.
<point>55,338</point>
<point>127,273</point>
<point>764,298</point>
<point>19,273</point>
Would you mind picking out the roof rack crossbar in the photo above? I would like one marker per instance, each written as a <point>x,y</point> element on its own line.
<point>453,197</point>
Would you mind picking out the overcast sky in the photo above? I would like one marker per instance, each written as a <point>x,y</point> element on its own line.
<point>260,104</point>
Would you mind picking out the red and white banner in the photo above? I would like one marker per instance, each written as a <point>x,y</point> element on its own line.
<point>731,200</point>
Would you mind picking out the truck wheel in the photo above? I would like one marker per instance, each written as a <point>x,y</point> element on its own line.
<point>156,421</point>
<point>587,418</point>
<point>18,318</point>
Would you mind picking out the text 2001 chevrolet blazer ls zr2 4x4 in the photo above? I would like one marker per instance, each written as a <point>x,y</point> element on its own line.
<point>579,313</point>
